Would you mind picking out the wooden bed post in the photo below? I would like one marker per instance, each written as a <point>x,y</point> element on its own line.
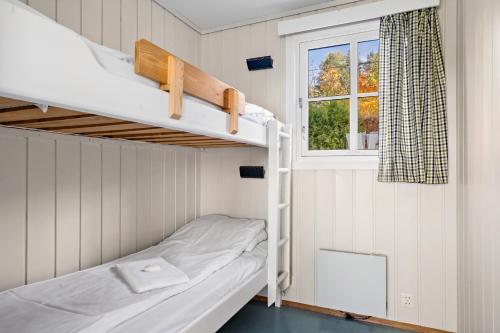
<point>178,77</point>
<point>175,86</point>
<point>234,104</point>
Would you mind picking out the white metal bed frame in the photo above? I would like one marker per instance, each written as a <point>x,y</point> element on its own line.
<point>68,75</point>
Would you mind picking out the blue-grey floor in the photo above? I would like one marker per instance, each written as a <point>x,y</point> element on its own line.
<point>256,317</point>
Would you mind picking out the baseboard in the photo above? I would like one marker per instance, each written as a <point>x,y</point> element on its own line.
<point>340,314</point>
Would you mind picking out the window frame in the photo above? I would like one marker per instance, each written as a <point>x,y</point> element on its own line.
<point>293,91</point>
<point>351,40</point>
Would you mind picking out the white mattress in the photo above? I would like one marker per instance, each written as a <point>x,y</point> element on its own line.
<point>176,313</point>
<point>95,300</point>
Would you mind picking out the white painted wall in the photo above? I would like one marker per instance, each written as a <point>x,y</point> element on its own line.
<point>479,288</point>
<point>69,202</point>
<point>414,225</point>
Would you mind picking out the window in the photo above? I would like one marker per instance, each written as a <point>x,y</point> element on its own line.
<point>339,95</point>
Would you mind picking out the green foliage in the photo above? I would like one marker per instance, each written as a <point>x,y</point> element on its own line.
<point>333,78</point>
<point>328,125</point>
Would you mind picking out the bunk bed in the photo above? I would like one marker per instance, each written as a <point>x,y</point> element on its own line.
<point>52,79</point>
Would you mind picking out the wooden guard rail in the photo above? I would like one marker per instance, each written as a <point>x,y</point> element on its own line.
<point>177,77</point>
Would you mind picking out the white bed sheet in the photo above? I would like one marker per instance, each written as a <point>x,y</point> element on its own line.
<point>176,313</point>
<point>95,300</point>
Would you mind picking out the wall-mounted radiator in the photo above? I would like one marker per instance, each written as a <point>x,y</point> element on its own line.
<point>352,282</point>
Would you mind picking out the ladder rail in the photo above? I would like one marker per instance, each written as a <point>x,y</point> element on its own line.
<point>279,213</point>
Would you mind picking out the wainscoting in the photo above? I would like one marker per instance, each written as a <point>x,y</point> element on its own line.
<point>69,203</point>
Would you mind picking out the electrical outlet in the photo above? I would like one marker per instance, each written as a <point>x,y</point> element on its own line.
<point>407,300</point>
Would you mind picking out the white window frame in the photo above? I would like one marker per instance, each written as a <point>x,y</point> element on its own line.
<point>296,87</point>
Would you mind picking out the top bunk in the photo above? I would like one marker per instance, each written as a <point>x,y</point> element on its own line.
<point>55,80</point>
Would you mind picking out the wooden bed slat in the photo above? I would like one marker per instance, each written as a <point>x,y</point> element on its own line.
<point>94,121</point>
<point>25,115</point>
<point>101,130</point>
<point>11,103</point>
<point>15,115</point>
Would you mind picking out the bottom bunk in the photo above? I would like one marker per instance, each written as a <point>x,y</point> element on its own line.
<point>223,259</point>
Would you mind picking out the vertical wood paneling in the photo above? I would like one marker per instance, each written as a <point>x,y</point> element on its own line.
<point>180,189</point>
<point>304,222</point>
<point>13,208</point>
<point>363,224</point>
<point>69,203</point>
<point>430,258</point>
<point>169,189</point>
<point>92,18</point>
<point>144,22</point>
<point>190,186</point>
<point>128,25</point>
<point>325,208</point>
<point>157,195</point>
<point>69,14</point>
<point>144,226</point>
<point>385,237</point>
<point>90,214</point>
<point>41,210</point>
<point>344,234</point>
<point>67,207</point>
<point>110,202</point>
<point>128,199</point>
<point>46,7</point>
<point>111,35</point>
<point>157,25</point>
<point>407,246</point>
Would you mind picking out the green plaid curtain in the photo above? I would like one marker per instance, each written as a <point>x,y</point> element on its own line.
<point>413,144</point>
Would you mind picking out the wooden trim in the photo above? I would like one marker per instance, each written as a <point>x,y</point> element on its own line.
<point>341,314</point>
<point>234,104</point>
<point>178,77</point>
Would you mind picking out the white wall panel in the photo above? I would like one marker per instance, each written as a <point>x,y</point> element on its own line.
<point>144,225</point>
<point>128,199</point>
<point>71,202</point>
<point>90,210</point>
<point>92,19</point>
<point>157,214</point>
<point>40,262</point>
<point>479,282</point>
<point>169,190</point>
<point>67,207</point>
<point>13,208</point>
<point>180,189</point>
<point>69,14</point>
<point>110,202</point>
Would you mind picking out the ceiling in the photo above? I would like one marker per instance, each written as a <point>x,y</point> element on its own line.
<point>207,16</point>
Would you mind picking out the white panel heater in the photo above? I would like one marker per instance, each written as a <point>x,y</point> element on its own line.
<point>352,282</point>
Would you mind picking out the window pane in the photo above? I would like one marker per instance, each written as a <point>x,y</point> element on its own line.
<point>368,123</point>
<point>329,125</point>
<point>368,66</point>
<point>329,71</point>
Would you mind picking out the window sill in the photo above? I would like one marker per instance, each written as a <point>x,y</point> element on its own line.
<point>335,162</point>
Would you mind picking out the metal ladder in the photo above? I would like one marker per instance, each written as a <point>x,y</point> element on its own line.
<point>279,214</point>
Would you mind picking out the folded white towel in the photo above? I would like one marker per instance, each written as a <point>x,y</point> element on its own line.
<point>149,274</point>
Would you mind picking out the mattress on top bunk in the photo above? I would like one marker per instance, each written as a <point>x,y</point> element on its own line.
<point>121,64</point>
<point>97,300</point>
<point>176,313</point>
